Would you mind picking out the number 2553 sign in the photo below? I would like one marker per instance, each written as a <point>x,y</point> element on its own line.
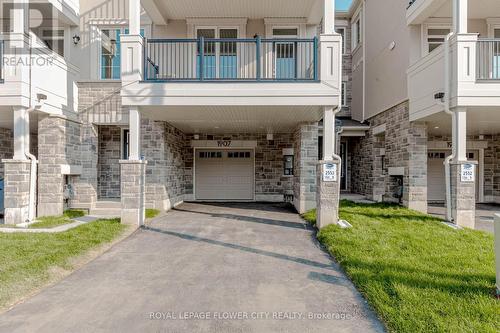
<point>330,172</point>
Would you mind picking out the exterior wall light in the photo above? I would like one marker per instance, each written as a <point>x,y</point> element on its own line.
<point>76,39</point>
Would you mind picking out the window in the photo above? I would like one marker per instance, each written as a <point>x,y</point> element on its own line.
<point>110,53</point>
<point>341,32</point>
<point>496,33</point>
<point>220,59</point>
<point>344,93</point>
<point>285,32</point>
<point>54,39</point>
<point>125,144</point>
<point>436,37</point>
<point>356,32</point>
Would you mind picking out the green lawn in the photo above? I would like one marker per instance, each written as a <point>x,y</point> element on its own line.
<point>54,221</point>
<point>29,261</point>
<point>152,213</point>
<point>418,274</point>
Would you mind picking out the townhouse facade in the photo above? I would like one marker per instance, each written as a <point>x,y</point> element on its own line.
<point>131,104</point>
<point>425,79</point>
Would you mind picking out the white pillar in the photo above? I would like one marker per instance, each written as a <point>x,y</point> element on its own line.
<point>20,17</point>
<point>460,134</point>
<point>134,17</point>
<point>328,17</point>
<point>460,16</point>
<point>328,133</point>
<point>135,134</point>
<point>21,133</point>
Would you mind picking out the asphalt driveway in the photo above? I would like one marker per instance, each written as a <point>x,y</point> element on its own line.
<point>204,268</point>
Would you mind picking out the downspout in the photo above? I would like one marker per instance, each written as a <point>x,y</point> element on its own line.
<point>447,110</point>
<point>34,162</point>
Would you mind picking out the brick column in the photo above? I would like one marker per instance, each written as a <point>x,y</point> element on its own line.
<point>16,190</point>
<point>327,195</point>
<point>463,197</point>
<point>133,175</point>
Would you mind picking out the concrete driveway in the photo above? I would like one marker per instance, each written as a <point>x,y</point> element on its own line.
<point>205,268</point>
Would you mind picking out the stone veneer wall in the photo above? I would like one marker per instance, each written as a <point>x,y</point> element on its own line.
<point>59,143</point>
<point>108,164</point>
<point>305,141</point>
<point>163,148</point>
<point>347,72</point>
<point>270,183</point>
<point>405,145</point>
<point>6,147</point>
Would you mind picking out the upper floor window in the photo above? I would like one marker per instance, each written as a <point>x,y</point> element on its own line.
<point>496,33</point>
<point>54,39</point>
<point>341,32</point>
<point>436,37</point>
<point>344,94</point>
<point>285,32</point>
<point>110,68</point>
<point>356,32</point>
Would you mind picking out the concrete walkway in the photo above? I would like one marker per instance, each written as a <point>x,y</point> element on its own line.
<point>485,215</point>
<point>204,268</point>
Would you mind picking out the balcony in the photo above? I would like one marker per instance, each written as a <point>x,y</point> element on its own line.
<point>474,76</point>
<point>231,60</point>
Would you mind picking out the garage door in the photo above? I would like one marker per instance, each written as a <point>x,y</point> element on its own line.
<point>436,181</point>
<point>224,175</point>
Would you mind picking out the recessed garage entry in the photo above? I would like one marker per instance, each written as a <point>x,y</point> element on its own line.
<point>224,174</point>
<point>436,180</point>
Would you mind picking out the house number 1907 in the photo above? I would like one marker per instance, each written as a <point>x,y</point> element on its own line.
<point>225,143</point>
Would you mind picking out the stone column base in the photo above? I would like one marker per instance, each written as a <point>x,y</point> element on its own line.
<point>463,196</point>
<point>327,196</point>
<point>16,191</point>
<point>133,196</point>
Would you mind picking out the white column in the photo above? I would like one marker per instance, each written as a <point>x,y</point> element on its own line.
<point>328,133</point>
<point>460,16</point>
<point>20,17</point>
<point>460,134</point>
<point>21,133</point>
<point>135,134</point>
<point>328,17</point>
<point>134,17</point>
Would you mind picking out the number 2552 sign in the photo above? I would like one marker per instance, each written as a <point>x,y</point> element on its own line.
<point>467,173</point>
<point>330,172</point>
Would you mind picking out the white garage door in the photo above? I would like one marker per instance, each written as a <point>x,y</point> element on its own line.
<point>436,181</point>
<point>224,175</point>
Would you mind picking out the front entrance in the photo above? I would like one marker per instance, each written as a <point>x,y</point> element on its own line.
<point>436,181</point>
<point>224,174</point>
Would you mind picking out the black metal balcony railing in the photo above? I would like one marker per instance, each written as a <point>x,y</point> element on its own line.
<point>488,59</point>
<point>231,59</point>
<point>2,48</point>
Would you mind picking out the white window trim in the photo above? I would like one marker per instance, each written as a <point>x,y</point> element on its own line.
<point>344,41</point>
<point>354,30</point>
<point>425,28</point>
<point>493,24</point>
<point>208,23</point>
<point>285,23</point>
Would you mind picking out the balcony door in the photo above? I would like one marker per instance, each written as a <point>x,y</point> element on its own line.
<point>285,53</point>
<point>220,58</point>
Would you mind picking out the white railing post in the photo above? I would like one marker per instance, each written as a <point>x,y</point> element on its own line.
<point>132,47</point>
